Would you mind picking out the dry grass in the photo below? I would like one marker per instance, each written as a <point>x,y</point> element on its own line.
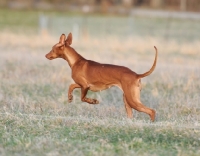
<point>36,118</point>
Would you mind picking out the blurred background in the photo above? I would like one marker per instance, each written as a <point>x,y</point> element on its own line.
<point>168,20</point>
<point>164,18</point>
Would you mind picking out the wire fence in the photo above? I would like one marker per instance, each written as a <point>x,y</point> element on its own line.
<point>166,25</point>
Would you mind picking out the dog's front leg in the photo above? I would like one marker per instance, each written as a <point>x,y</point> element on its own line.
<point>71,88</point>
<point>85,99</point>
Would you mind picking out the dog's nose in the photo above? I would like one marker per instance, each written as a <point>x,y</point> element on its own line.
<point>46,56</point>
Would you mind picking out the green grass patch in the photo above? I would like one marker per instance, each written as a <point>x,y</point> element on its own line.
<point>27,134</point>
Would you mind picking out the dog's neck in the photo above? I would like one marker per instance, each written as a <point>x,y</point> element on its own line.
<point>71,56</point>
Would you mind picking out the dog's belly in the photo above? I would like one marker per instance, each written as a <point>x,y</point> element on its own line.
<point>100,86</point>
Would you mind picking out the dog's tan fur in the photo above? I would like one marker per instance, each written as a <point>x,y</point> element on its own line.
<point>94,76</point>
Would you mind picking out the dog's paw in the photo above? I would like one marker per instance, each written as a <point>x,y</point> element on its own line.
<point>70,98</point>
<point>153,115</point>
<point>90,101</point>
<point>94,101</point>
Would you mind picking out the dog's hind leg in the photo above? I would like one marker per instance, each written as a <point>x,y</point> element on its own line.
<point>133,100</point>
<point>129,111</point>
<point>141,108</point>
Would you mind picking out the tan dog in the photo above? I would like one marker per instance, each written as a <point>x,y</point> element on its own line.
<point>94,76</point>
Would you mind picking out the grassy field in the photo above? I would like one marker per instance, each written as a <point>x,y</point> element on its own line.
<point>36,119</point>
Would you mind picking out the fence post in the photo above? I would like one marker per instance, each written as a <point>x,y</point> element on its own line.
<point>43,25</point>
<point>157,3</point>
<point>183,5</point>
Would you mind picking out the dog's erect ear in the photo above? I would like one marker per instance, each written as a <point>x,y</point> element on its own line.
<point>62,39</point>
<point>69,39</point>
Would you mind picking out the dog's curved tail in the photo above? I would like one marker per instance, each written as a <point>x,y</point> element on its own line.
<point>152,68</point>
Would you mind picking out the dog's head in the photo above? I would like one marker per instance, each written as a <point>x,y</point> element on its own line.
<point>58,49</point>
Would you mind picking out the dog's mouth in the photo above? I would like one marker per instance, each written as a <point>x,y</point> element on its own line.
<point>49,57</point>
